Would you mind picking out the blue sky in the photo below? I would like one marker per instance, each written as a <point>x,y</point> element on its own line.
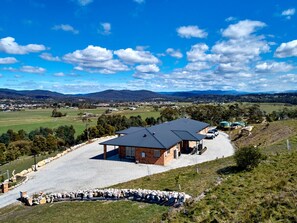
<point>81,46</point>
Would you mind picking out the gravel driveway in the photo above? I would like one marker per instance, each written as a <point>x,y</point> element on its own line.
<point>82,169</point>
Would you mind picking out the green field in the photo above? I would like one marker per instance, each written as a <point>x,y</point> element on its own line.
<point>111,212</point>
<point>31,119</point>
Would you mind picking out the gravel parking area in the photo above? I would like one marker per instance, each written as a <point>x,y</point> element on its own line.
<point>84,169</point>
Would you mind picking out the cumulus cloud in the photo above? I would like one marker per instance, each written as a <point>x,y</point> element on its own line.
<point>84,2</point>
<point>95,59</point>
<point>174,53</point>
<point>288,49</point>
<point>242,29</point>
<point>8,60</point>
<point>49,57</point>
<point>90,54</point>
<point>31,69</point>
<point>198,53</point>
<point>273,67</point>
<point>136,56</point>
<point>149,68</point>
<point>288,13</point>
<point>105,28</point>
<point>66,28</point>
<point>8,45</point>
<point>197,66</point>
<point>191,31</point>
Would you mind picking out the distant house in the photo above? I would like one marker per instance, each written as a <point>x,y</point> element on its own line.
<point>161,143</point>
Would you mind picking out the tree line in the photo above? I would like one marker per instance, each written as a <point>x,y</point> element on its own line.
<point>42,140</point>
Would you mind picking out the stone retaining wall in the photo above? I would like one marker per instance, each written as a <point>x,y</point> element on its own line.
<point>168,198</point>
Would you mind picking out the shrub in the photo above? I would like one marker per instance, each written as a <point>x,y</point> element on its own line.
<point>248,157</point>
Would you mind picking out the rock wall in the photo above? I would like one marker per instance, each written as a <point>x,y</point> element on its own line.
<point>168,198</point>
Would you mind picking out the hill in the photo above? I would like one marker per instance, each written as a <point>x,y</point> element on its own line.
<point>108,95</point>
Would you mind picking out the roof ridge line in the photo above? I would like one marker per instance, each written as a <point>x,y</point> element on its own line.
<point>155,138</point>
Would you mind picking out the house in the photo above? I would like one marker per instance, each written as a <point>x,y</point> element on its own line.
<point>159,144</point>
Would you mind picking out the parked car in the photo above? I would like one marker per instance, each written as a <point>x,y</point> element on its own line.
<point>216,132</point>
<point>210,134</point>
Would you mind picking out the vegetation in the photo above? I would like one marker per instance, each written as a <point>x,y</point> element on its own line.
<point>248,158</point>
<point>56,113</point>
<point>39,141</point>
<point>111,212</point>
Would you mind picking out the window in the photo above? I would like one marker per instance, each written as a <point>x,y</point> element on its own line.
<point>143,155</point>
<point>156,153</point>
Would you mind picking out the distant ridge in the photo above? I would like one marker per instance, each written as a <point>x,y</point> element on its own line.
<point>206,92</point>
<point>108,95</point>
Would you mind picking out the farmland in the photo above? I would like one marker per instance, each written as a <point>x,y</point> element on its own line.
<point>29,120</point>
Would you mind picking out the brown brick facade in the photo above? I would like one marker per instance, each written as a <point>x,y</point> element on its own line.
<point>147,155</point>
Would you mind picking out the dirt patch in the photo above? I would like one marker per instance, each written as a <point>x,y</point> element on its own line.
<point>264,135</point>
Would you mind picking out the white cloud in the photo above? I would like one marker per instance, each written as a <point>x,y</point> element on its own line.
<point>135,56</point>
<point>145,76</point>
<point>59,74</point>
<point>105,28</point>
<point>49,57</point>
<point>8,45</point>
<point>90,54</point>
<point>8,60</point>
<point>230,19</point>
<point>242,29</point>
<point>149,68</point>
<point>291,78</point>
<point>174,53</point>
<point>273,67</point>
<point>288,49</point>
<point>95,59</point>
<point>31,69</point>
<point>84,2</point>
<point>288,13</point>
<point>66,28</point>
<point>191,31</point>
<point>197,66</point>
<point>139,1</point>
<point>240,50</point>
<point>230,68</point>
<point>197,53</point>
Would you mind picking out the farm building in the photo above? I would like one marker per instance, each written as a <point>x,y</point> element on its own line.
<point>159,144</point>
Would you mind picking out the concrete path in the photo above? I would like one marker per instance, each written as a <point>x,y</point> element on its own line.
<point>82,169</point>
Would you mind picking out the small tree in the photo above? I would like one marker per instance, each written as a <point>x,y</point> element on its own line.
<point>248,157</point>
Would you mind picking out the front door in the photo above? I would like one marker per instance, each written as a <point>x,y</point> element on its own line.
<point>130,152</point>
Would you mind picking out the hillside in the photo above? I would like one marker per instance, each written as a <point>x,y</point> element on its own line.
<point>265,194</point>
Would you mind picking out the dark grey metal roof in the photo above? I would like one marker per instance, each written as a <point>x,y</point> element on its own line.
<point>185,135</point>
<point>130,130</point>
<point>163,136</point>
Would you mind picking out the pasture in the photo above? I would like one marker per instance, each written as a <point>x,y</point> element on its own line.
<point>32,119</point>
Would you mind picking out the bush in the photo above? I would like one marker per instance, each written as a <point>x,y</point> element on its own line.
<point>248,157</point>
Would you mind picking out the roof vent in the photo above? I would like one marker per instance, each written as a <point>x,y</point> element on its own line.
<point>154,133</point>
<point>144,135</point>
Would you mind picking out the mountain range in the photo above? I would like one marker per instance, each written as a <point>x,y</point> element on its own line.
<point>117,95</point>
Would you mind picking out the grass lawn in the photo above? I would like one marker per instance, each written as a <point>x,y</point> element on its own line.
<point>22,163</point>
<point>97,211</point>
